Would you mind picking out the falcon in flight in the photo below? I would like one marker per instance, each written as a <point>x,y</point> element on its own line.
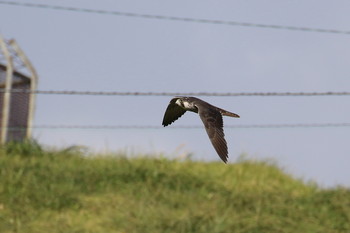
<point>210,115</point>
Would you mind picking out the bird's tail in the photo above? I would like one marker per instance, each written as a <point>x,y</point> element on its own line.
<point>227,113</point>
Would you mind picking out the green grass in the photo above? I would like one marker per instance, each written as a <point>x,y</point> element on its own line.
<point>63,191</point>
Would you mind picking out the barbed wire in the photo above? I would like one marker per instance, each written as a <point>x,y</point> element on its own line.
<point>174,18</point>
<point>129,93</point>
<point>141,127</point>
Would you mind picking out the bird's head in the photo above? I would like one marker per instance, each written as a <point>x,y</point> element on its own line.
<point>180,102</point>
<point>185,103</point>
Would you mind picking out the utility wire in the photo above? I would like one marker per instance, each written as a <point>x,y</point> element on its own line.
<point>247,126</point>
<point>128,93</point>
<point>174,18</point>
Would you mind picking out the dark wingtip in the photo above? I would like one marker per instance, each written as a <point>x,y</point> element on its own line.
<point>165,124</point>
<point>224,157</point>
<point>225,160</point>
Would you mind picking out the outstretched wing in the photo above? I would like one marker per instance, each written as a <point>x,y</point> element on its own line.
<point>213,123</point>
<point>172,113</point>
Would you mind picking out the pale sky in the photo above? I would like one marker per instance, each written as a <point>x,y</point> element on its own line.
<point>104,52</point>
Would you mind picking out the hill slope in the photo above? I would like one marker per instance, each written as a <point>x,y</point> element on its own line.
<point>43,191</point>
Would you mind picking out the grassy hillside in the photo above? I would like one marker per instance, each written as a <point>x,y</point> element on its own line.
<point>47,191</point>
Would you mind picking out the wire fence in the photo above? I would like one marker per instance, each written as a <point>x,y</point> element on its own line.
<point>246,126</point>
<point>145,127</point>
<point>224,94</point>
<point>227,94</point>
<point>174,18</point>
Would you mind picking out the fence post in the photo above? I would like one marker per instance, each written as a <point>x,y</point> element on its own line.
<point>7,93</point>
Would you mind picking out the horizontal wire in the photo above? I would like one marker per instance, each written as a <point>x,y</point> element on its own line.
<point>174,18</point>
<point>247,126</point>
<point>128,93</point>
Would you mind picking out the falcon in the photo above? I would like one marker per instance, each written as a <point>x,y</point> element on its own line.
<point>209,114</point>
